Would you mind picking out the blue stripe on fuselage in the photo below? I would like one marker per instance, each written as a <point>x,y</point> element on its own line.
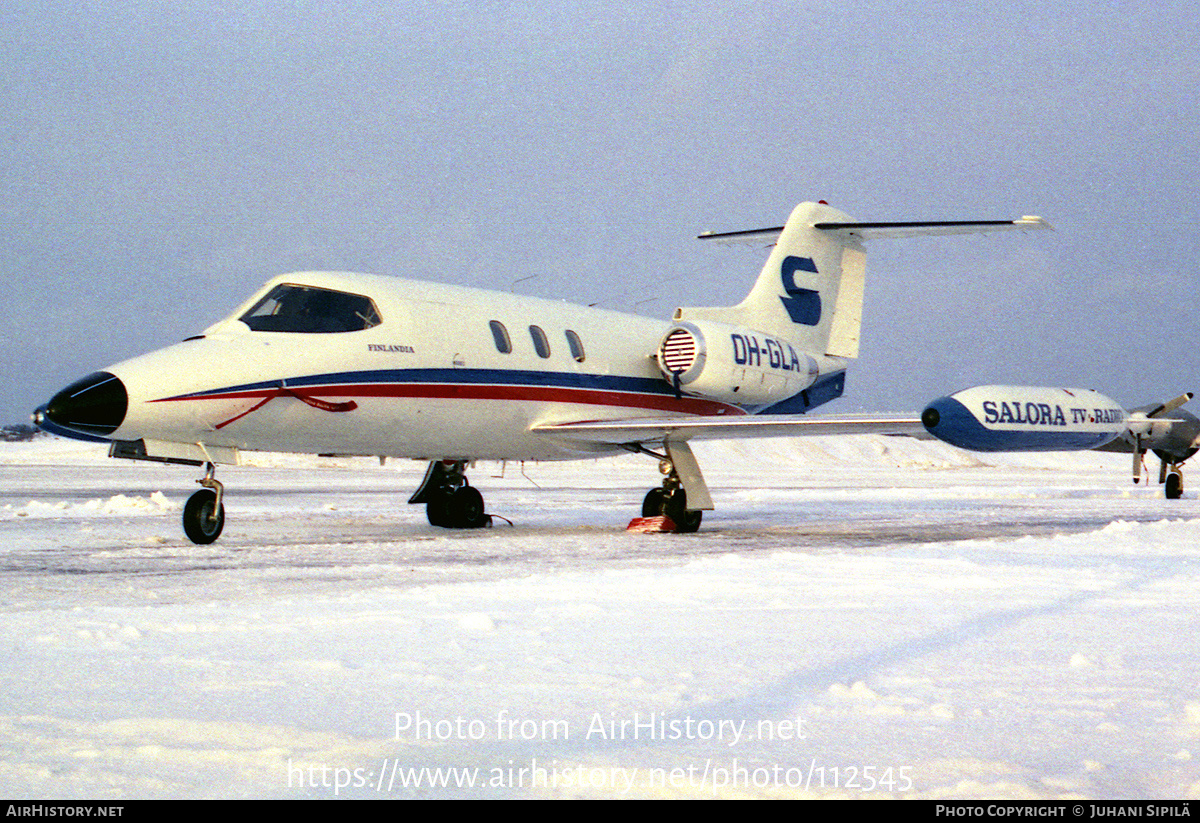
<point>829,387</point>
<point>503,377</point>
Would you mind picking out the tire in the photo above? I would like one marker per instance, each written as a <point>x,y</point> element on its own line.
<point>199,524</point>
<point>688,521</point>
<point>652,505</point>
<point>657,503</point>
<point>461,508</point>
<point>466,508</point>
<point>437,509</point>
<point>1174,488</point>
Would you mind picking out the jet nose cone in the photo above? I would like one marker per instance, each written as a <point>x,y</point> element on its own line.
<point>94,405</point>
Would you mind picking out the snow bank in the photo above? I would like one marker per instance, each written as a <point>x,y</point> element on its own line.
<point>861,617</point>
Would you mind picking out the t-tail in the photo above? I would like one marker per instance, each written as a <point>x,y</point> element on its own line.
<point>784,349</point>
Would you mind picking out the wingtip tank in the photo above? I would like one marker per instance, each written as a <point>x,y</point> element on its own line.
<point>1025,418</point>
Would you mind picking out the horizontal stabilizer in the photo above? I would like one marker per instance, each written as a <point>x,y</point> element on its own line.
<point>871,231</point>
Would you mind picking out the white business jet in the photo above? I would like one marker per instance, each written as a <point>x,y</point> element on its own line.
<point>360,364</point>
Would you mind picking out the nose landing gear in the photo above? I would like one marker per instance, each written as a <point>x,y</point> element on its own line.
<point>204,512</point>
<point>450,501</point>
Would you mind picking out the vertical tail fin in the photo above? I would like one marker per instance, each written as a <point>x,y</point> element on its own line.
<point>810,289</point>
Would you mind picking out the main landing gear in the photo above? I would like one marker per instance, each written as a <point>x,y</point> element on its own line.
<point>665,509</point>
<point>204,512</point>
<point>1170,471</point>
<point>670,501</point>
<point>450,501</point>
<point>1170,474</point>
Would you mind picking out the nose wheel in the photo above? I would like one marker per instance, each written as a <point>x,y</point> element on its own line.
<point>204,512</point>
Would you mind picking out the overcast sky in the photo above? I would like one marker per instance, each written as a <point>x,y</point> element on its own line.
<point>163,159</point>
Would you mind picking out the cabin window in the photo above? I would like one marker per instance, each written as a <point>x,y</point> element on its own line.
<point>500,335</point>
<point>540,343</point>
<point>309,310</point>
<point>576,346</point>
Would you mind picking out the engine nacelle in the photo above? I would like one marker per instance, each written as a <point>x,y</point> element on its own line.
<point>1025,418</point>
<point>732,364</point>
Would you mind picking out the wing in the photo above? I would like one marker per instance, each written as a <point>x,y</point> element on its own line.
<point>676,429</point>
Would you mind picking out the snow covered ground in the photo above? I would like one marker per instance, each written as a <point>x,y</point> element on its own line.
<point>861,617</point>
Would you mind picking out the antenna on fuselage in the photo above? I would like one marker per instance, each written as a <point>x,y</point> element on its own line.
<point>514,283</point>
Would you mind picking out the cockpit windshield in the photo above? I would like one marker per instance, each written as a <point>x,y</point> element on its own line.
<point>309,310</point>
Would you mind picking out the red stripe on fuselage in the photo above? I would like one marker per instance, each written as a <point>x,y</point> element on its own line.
<point>477,391</point>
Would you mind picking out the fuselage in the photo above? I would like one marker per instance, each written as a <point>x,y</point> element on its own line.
<point>397,367</point>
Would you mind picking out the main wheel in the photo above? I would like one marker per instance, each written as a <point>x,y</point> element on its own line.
<point>461,508</point>
<point>437,509</point>
<point>1174,486</point>
<point>675,507</point>
<point>686,521</point>
<point>652,504</point>
<point>203,519</point>
<point>466,508</point>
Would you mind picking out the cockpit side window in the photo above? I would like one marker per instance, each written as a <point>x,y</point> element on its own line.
<point>309,310</point>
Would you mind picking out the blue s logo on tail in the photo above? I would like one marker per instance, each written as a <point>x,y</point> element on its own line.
<point>802,305</point>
